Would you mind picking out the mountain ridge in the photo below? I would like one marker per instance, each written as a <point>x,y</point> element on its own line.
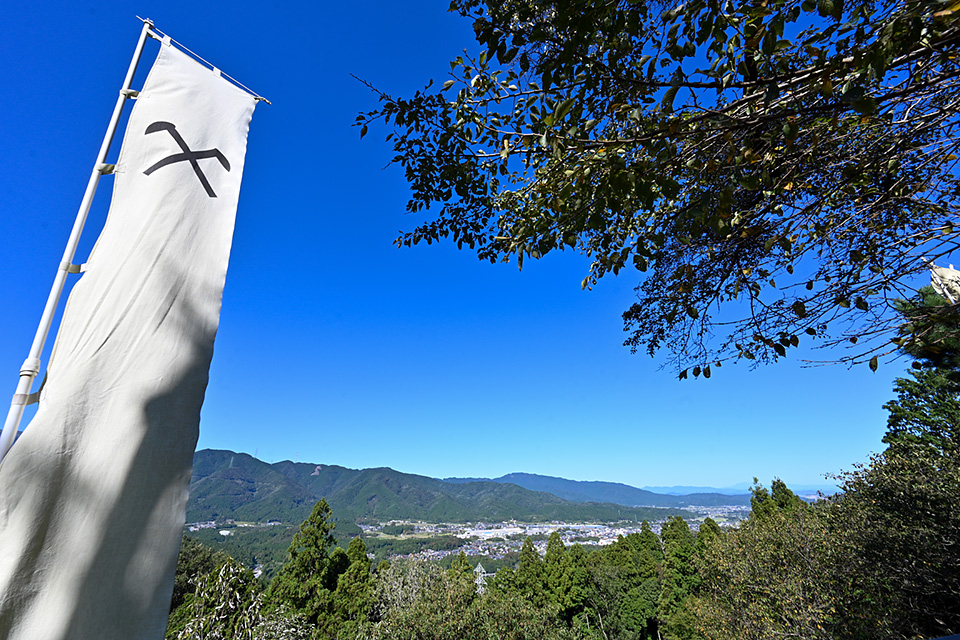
<point>613,492</point>
<point>230,485</point>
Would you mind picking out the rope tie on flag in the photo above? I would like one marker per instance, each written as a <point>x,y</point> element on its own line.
<point>23,399</point>
<point>156,34</point>
<point>31,367</point>
<point>73,268</point>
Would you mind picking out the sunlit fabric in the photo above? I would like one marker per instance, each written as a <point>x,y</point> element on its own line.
<point>93,495</point>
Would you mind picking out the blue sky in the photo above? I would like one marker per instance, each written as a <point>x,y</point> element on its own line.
<point>336,347</point>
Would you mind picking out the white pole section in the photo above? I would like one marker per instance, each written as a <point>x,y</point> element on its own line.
<point>31,366</point>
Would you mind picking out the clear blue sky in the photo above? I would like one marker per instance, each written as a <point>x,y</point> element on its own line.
<point>336,347</point>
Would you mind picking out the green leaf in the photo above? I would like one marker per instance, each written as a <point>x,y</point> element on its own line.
<point>873,363</point>
<point>668,97</point>
<point>865,105</point>
<point>750,183</point>
<point>790,131</point>
<point>448,84</point>
<point>561,111</point>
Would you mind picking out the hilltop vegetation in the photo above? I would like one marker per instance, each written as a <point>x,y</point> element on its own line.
<point>879,560</point>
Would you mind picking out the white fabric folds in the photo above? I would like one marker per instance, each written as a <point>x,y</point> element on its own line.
<point>946,282</point>
<point>93,494</point>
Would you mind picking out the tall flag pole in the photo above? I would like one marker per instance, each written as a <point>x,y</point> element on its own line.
<point>31,366</point>
<point>93,494</point>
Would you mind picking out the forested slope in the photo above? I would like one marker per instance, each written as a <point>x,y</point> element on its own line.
<point>235,485</point>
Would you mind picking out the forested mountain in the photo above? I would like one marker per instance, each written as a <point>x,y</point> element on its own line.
<point>236,485</point>
<point>614,492</point>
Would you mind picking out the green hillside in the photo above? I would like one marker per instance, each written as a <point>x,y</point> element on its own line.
<point>238,486</point>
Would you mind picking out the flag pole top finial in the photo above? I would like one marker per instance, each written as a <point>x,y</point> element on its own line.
<point>159,35</point>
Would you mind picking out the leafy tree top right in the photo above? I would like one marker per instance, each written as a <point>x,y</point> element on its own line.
<point>776,170</point>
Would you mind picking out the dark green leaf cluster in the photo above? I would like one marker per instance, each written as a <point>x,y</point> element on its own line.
<point>878,559</point>
<point>420,600</point>
<point>307,581</point>
<point>638,587</point>
<point>224,605</point>
<point>195,560</point>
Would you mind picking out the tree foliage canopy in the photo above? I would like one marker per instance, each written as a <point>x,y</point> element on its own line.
<point>926,411</point>
<point>777,168</point>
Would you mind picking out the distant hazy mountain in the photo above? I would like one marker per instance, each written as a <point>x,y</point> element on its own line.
<point>743,488</point>
<point>682,490</point>
<point>238,486</point>
<point>622,494</point>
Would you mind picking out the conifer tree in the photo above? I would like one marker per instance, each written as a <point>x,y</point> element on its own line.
<point>780,498</point>
<point>554,564</point>
<point>460,567</point>
<point>305,583</point>
<point>708,532</point>
<point>354,595</point>
<point>679,578</point>
<point>650,553</point>
<point>925,413</point>
<point>622,555</point>
<point>531,581</point>
<point>572,593</point>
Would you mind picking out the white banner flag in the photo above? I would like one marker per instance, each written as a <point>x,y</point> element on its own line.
<point>93,495</point>
<point>946,282</point>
